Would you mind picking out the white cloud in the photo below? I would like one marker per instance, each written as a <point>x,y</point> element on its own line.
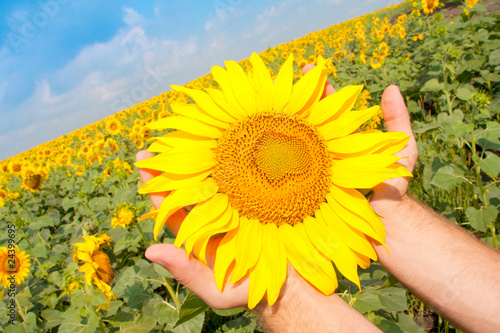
<point>102,79</point>
<point>132,17</point>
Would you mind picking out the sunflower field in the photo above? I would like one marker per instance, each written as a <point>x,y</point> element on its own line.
<point>71,244</point>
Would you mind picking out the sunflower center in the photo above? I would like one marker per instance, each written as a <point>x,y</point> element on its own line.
<point>104,270</point>
<point>11,265</point>
<point>273,167</point>
<point>278,155</point>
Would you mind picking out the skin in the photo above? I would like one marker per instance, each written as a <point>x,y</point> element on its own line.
<point>445,267</point>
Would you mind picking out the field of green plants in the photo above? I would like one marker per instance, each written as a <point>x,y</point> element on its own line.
<point>85,184</point>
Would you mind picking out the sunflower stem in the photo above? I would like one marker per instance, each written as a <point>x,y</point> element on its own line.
<point>171,292</point>
<point>43,240</point>
<point>144,240</point>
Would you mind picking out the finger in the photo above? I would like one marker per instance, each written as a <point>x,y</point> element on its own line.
<point>328,87</point>
<point>396,115</point>
<point>397,119</point>
<point>146,175</point>
<point>197,277</point>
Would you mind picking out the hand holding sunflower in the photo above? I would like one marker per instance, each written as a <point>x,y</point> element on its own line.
<point>244,273</point>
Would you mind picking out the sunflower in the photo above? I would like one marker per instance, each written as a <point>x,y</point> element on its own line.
<point>429,6</point>
<point>113,126</point>
<point>124,215</point>
<point>471,3</point>
<point>14,266</point>
<point>275,171</point>
<point>96,265</point>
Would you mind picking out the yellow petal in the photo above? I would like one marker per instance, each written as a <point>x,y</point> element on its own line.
<point>248,247</point>
<point>283,85</point>
<point>219,99</point>
<point>375,142</point>
<point>350,217</point>
<point>362,260</point>
<point>192,111</point>
<point>150,215</point>
<point>307,90</point>
<point>242,89</point>
<point>351,237</point>
<point>366,171</point>
<point>188,195</point>
<point>225,257</point>
<point>356,203</point>
<point>274,252</point>
<point>198,241</point>
<point>329,243</point>
<point>334,105</point>
<point>200,215</point>
<point>186,124</point>
<point>347,123</point>
<point>159,147</point>
<point>171,181</point>
<point>227,222</point>
<point>206,103</point>
<point>221,76</point>
<point>264,84</point>
<point>180,161</point>
<point>258,280</point>
<point>306,260</point>
<point>185,141</point>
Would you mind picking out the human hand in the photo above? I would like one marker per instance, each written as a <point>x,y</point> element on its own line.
<point>389,194</point>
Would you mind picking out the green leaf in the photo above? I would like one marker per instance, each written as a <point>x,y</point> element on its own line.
<point>489,138</point>
<point>71,323</point>
<point>192,306</point>
<point>229,312</point>
<point>29,322</point>
<point>194,325</point>
<point>368,301</point>
<point>92,321</point>
<point>241,324</point>
<point>447,177</point>
<point>95,297</point>
<point>464,94</point>
<point>432,85</point>
<point>136,295</point>
<point>167,315</point>
<point>490,164</point>
<point>494,57</point>
<point>393,299</point>
<point>479,219</point>
<point>98,204</point>
<point>143,324</point>
<point>52,318</point>
<point>408,325</point>
<point>42,222</point>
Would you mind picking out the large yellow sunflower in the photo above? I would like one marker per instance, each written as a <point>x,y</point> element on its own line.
<point>275,171</point>
<point>14,266</point>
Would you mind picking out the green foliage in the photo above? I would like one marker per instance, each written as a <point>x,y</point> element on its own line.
<point>450,82</point>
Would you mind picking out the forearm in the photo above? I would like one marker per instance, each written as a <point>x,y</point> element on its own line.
<point>451,271</point>
<point>304,309</point>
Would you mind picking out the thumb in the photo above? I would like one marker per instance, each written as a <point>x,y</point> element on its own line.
<point>195,276</point>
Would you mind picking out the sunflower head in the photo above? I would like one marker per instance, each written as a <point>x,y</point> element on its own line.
<point>14,266</point>
<point>124,215</point>
<point>96,264</point>
<point>273,171</point>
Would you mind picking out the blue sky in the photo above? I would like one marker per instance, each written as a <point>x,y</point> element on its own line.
<point>68,63</point>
